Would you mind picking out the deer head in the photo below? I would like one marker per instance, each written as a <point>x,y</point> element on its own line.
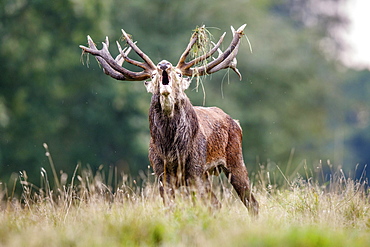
<point>167,80</point>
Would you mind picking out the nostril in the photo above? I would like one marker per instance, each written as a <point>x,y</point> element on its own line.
<point>163,66</point>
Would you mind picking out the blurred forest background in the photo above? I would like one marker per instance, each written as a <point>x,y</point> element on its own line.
<point>297,103</point>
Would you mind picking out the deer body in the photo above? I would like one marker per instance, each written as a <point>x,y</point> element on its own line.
<point>188,143</point>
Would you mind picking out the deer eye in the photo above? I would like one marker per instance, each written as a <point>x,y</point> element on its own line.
<point>179,74</point>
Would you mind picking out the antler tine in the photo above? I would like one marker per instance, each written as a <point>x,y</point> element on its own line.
<point>148,62</point>
<point>181,64</point>
<point>231,65</point>
<point>125,57</point>
<point>119,59</point>
<point>106,67</point>
<point>113,67</point>
<point>107,41</point>
<point>226,59</point>
<point>184,66</point>
<point>122,53</point>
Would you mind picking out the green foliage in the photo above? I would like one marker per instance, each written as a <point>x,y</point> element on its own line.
<point>290,102</point>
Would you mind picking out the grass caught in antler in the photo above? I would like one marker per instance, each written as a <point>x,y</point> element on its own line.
<point>87,210</point>
<point>202,46</point>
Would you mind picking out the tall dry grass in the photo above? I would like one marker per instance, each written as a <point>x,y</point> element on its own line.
<point>101,208</point>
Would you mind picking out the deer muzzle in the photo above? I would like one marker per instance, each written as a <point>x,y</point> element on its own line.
<point>164,68</point>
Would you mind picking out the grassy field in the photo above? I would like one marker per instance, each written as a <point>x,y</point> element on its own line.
<point>84,211</point>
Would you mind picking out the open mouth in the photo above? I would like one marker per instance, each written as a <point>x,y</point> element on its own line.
<point>165,80</point>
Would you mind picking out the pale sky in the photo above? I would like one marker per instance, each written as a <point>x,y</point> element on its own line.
<point>358,34</point>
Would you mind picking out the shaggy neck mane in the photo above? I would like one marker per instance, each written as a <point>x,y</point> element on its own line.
<point>172,134</point>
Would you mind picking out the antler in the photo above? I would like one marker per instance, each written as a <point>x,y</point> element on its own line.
<point>226,59</point>
<point>113,67</point>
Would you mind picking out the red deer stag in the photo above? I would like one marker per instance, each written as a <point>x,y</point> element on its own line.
<point>187,142</point>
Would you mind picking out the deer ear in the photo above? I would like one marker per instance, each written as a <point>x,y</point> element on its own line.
<point>152,85</point>
<point>185,83</point>
<point>149,86</point>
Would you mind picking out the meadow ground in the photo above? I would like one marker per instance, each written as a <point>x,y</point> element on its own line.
<point>85,211</point>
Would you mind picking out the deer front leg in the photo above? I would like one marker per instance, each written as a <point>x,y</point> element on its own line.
<point>166,190</point>
<point>207,193</point>
<point>164,178</point>
<point>198,178</point>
